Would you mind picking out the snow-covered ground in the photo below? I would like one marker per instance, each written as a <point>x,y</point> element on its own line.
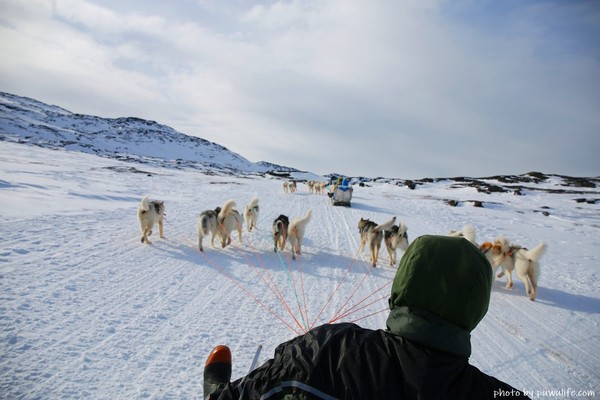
<point>86,311</point>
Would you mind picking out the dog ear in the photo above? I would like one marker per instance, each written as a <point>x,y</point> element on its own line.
<point>485,247</point>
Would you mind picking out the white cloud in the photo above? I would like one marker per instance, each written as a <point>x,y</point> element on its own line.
<point>420,89</point>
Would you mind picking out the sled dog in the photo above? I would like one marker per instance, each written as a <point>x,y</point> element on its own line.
<point>511,257</point>
<point>251,214</point>
<point>373,234</point>
<point>468,232</point>
<point>229,219</point>
<point>296,233</point>
<point>280,228</point>
<point>395,238</point>
<point>289,187</point>
<point>150,213</point>
<point>208,223</point>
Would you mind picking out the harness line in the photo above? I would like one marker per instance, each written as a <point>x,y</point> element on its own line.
<point>277,293</point>
<point>336,289</point>
<point>341,314</point>
<point>303,328</point>
<point>232,279</point>
<point>344,315</point>
<point>293,286</point>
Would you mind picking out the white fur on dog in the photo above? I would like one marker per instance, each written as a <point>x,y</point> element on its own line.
<point>502,253</point>
<point>150,213</point>
<point>251,213</point>
<point>468,232</point>
<point>229,219</point>
<point>296,233</point>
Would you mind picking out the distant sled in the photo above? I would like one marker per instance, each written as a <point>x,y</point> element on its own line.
<point>341,194</point>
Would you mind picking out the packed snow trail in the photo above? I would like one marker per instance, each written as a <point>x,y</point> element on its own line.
<point>87,311</point>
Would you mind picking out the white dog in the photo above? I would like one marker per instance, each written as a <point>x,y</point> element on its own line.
<point>296,233</point>
<point>229,219</point>
<point>251,214</point>
<point>150,213</point>
<point>373,234</point>
<point>468,232</point>
<point>395,238</point>
<point>208,223</point>
<point>511,257</point>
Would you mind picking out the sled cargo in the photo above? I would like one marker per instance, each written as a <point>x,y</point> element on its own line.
<point>341,195</point>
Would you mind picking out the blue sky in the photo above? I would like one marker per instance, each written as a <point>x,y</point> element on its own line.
<point>407,89</point>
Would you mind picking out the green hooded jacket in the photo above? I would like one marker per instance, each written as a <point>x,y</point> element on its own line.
<point>440,293</point>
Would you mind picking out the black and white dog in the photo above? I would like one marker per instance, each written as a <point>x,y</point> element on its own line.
<point>373,234</point>
<point>208,223</point>
<point>395,238</point>
<point>280,228</point>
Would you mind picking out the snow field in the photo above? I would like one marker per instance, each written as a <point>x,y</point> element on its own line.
<point>87,311</point>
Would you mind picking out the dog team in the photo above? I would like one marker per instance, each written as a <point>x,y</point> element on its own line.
<point>316,187</point>
<point>222,221</point>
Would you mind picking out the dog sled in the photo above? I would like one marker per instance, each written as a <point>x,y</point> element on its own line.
<point>341,193</point>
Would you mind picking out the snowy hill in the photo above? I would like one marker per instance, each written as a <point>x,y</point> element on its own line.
<point>134,139</point>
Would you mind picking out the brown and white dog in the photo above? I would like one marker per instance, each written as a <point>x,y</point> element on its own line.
<point>251,214</point>
<point>373,234</point>
<point>208,223</point>
<point>395,238</point>
<point>229,219</point>
<point>296,233</point>
<point>511,257</point>
<point>150,213</point>
<point>280,229</point>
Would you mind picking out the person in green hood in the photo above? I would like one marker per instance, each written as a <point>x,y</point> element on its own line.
<point>440,293</point>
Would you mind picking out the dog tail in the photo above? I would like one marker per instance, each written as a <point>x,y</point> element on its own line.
<point>306,217</point>
<point>536,253</point>
<point>204,224</point>
<point>144,204</point>
<point>303,220</point>
<point>226,209</point>
<point>279,227</point>
<point>386,225</point>
<point>468,232</point>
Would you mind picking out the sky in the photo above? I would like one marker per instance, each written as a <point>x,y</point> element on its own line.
<point>408,89</point>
